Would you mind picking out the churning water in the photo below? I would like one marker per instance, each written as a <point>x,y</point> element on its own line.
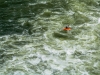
<point>32,41</point>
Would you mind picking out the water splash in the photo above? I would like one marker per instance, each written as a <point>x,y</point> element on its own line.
<point>50,51</point>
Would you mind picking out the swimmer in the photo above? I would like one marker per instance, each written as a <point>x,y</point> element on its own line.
<point>67,28</point>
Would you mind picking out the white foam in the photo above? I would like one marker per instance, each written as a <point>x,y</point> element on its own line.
<point>19,73</point>
<point>99,20</point>
<point>47,72</point>
<point>34,61</point>
<point>57,67</point>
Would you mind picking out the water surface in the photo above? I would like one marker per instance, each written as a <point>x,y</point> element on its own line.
<point>32,41</point>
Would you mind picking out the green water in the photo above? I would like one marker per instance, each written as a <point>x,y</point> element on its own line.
<point>32,41</point>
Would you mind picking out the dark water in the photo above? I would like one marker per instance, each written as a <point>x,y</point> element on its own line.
<point>10,12</point>
<point>32,41</point>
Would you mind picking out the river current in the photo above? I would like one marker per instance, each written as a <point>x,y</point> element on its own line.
<point>32,40</point>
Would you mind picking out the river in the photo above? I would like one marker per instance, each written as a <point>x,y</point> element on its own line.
<point>32,40</point>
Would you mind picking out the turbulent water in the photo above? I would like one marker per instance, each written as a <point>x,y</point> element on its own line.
<point>32,41</point>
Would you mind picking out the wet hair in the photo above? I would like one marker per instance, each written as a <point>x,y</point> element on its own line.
<point>67,27</point>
